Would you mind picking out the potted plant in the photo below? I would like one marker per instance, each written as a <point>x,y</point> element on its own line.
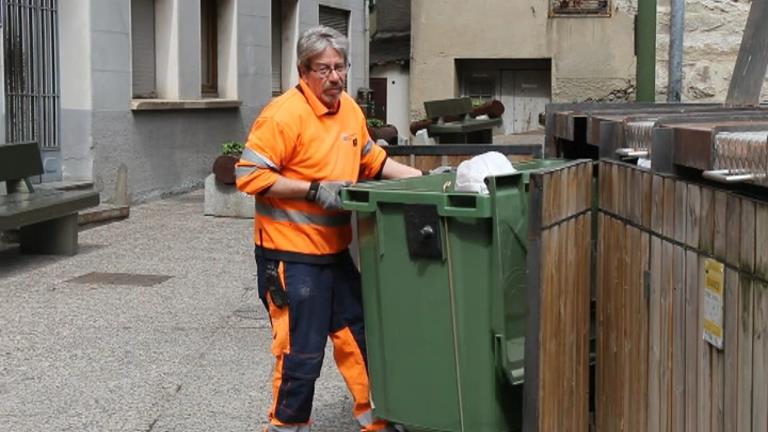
<point>224,165</point>
<point>377,129</point>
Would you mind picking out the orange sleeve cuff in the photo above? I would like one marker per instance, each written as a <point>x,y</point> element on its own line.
<point>372,163</point>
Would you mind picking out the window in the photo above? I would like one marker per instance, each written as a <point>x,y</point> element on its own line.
<point>164,34</point>
<point>208,45</point>
<point>579,8</point>
<point>337,19</point>
<point>143,48</point>
<point>277,47</point>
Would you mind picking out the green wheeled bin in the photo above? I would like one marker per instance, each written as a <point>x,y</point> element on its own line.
<point>444,292</point>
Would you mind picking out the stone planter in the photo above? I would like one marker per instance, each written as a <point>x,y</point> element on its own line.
<point>225,200</point>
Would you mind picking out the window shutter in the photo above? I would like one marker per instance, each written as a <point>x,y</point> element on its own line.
<point>277,48</point>
<point>143,47</point>
<point>335,18</point>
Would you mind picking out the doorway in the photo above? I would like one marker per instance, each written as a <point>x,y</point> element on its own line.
<point>523,86</point>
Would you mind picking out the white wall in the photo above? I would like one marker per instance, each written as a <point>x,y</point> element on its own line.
<point>398,112</point>
<point>76,94</point>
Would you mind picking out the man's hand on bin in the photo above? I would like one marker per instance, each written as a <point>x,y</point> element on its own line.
<point>439,170</point>
<point>327,194</point>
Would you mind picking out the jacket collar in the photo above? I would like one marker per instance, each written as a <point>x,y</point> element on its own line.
<point>317,106</point>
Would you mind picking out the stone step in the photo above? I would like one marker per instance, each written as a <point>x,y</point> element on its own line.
<point>103,213</point>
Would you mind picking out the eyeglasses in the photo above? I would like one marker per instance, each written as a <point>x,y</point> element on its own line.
<point>324,70</point>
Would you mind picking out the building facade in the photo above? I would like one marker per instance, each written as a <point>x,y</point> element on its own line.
<point>159,85</point>
<point>529,53</point>
<point>525,54</point>
<point>390,54</point>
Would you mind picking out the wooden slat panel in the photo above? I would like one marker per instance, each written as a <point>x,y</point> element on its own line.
<point>619,320</point>
<point>692,345</point>
<point>623,188</point>
<point>547,350</point>
<point>615,189</point>
<point>747,236</point>
<point>744,364</point>
<point>720,224</point>
<point>426,163</point>
<point>564,338</point>
<point>638,196</point>
<point>572,198</point>
<point>583,315</point>
<point>654,339</point>
<point>707,221</point>
<point>627,344</point>
<point>761,240</point>
<point>733,228</point>
<point>646,206</point>
<point>643,324</point>
<point>611,375</point>
<point>406,160</point>
<point>601,299</point>
<point>547,199</point>
<point>636,322</point>
<point>681,209</point>
<point>760,359</point>
<point>455,160</point>
<point>678,336</point>
<point>693,216</point>
<point>566,195</point>
<point>731,348</point>
<point>602,185</point>
<point>564,333</point>
<point>668,223</point>
<point>587,186</point>
<point>705,354</point>
<point>667,335</point>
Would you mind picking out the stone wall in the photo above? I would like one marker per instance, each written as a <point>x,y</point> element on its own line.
<point>713,31</point>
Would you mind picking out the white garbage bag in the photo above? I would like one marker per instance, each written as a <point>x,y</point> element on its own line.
<point>471,174</point>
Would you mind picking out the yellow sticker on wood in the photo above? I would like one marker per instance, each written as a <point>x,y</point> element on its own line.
<point>714,279</point>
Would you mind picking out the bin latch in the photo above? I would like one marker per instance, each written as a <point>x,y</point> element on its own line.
<point>422,231</point>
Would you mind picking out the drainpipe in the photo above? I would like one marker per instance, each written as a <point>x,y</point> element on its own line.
<point>645,50</point>
<point>676,29</point>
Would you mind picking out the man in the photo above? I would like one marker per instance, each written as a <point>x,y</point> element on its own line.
<point>302,149</point>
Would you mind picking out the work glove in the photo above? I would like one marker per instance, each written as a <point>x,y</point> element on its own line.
<point>329,194</point>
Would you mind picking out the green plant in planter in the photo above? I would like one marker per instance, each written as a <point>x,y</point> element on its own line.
<point>232,148</point>
<point>375,123</point>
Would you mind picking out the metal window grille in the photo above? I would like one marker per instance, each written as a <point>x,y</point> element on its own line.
<point>31,48</point>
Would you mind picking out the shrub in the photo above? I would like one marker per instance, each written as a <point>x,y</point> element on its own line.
<point>232,148</point>
<point>375,123</point>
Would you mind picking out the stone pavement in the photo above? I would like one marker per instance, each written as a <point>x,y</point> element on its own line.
<point>132,353</point>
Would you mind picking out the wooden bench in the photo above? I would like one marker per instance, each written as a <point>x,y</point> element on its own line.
<point>46,219</point>
<point>452,123</point>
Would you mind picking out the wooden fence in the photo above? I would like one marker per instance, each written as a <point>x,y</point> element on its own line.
<point>556,391</point>
<point>660,240</point>
<point>427,157</point>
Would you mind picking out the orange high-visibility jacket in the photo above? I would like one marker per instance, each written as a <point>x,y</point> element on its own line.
<point>297,137</point>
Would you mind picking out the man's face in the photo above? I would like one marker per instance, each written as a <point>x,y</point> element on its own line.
<point>326,76</point>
